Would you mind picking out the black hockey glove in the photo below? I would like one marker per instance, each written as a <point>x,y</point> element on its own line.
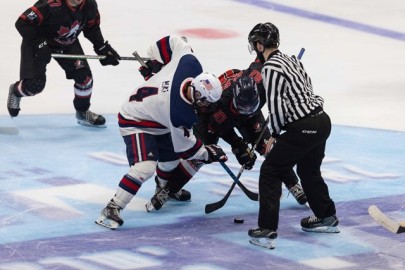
<point>215,154</point>
<point>112,57</point>
<point>42,52</point>
<point>245,156</point>
<point>153,68</point>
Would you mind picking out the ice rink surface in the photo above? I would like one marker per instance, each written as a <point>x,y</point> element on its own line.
<point>56,175</point>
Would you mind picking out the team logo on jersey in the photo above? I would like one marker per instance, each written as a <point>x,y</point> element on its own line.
<point>69,32</point>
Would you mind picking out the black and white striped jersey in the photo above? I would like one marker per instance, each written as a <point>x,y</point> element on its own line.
<point>289,92</point>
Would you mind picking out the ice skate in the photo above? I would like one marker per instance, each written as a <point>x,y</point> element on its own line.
<point>90,119</point>
<point>320,225</point>
<point>13,102</point>
<point>181,196</point>
<point>158,200</point>
<point>298,193</point>
<point>262,237</point>
<point>110,216</point>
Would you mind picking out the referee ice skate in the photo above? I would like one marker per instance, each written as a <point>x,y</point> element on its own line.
<point>301,127</point>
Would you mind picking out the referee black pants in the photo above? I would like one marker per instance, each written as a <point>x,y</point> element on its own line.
<point>302,145</point>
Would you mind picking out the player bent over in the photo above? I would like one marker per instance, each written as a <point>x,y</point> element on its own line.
<point>53,27</point>
<point>239,109</point>
<point>156,125</point>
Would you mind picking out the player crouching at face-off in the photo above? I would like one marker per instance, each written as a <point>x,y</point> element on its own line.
<point>156,125</point>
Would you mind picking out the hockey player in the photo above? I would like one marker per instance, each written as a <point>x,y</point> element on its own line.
<point>53,26</point>
<point>298,112</point>
<point>239,109</point>
<point>156,125</point>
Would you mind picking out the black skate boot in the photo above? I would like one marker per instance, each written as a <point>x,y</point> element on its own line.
<point>298,193</point>
<point>90,119</point>
<point>111,214</point>
<point>326,225</point>
<point>263,237</point>
<point>181,196</point>
<point>158,200</point>
<point>13,102</point>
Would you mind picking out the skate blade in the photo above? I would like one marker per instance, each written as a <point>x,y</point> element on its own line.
<point>86,124</point>
<point>110,225</point>
<point>323,229</point>
<point>263,242</point>
<point>149,207</point>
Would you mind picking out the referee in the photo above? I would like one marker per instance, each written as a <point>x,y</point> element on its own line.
<point>300,127</point>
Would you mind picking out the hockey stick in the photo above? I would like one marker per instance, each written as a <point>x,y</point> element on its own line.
<point>136,57</point>
<point>385,221</point>
<point>251,195</point>
<point>301,53</point>
<point>140,59</point>
<point>211,207</point>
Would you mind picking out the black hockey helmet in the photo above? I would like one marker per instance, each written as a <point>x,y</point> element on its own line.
<point>245,95</point>
<point>266,34</point>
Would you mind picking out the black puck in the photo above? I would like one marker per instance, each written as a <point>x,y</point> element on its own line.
<point>238,220</point>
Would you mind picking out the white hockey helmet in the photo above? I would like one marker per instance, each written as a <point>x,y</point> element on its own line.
<point>206,89</point>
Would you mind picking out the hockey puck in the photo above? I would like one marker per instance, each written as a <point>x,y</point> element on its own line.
<point>238,220</point>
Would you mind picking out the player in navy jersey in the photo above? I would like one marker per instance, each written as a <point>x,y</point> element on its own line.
<point>156,125</point>
<point>53,26</point>
<point>301,128</point>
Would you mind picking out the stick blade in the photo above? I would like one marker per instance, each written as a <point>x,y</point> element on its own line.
<point>384,220</point>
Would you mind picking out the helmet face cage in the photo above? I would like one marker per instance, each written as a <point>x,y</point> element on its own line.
<point>252,37</point>
<point>245,95</point>
<point>199,99</point>
<point>266,34</point>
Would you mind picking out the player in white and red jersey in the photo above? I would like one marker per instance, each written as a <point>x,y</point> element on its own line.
<point>156,125</point>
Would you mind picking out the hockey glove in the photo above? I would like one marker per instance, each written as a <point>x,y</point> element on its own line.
<point>112,57</point>
<point>42,52</point>
<point>215,154</point>
<point>245,156</point>
<point>152,68</point>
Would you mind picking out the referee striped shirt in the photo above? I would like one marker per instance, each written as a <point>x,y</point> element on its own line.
<point>289,92</point>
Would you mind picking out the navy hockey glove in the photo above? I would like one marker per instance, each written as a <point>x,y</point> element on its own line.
<point>112,57</point>
<point>245,156</point>
<point>152,68</point>
<point>215,154</point>
<point>42,52</point>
